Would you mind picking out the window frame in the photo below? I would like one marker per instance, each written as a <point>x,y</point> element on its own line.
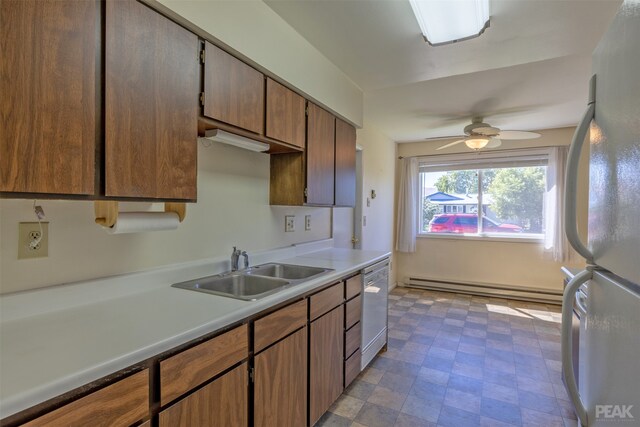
<point>527,157</point>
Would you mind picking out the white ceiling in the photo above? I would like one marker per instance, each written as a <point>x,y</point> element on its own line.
<point>528,71</point>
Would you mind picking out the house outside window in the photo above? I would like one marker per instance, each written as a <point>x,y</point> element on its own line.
<point>508,188</point>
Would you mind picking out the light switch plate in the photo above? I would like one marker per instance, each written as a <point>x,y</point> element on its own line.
<point>27,233</point>
<point>307,222</point>
<point>289,223</point>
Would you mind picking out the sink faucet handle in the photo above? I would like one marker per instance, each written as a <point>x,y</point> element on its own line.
<point>246,259</point>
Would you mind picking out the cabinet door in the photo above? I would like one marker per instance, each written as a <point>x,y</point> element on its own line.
<point>119,404</point>
<point>285,114</point>
<point>280,384</point>
<point>152,83</point>
<point>320,156</point>
<point>345,164</point>
<point>326,362</point>
<point>50,91</point>
<point>222,403</point>
<point>233,91</point>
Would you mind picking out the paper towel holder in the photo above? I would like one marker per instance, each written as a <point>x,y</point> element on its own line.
<point>106,211</point>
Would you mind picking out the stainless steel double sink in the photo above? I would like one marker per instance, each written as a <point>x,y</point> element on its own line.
<point>255,282</point>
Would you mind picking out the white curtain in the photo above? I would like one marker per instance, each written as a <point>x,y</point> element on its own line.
<point>407,227</point>
<point>555,241</point>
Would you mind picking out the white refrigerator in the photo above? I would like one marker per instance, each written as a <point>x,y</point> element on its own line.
<point>609,367</point>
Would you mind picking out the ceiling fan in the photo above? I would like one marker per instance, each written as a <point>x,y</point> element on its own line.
<point>480,135</point>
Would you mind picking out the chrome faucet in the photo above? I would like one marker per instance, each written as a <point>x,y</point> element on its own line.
<point>235,258</point>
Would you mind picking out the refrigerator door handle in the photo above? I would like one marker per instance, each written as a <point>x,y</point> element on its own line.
<point>571,180</point>
<point>567,348</point>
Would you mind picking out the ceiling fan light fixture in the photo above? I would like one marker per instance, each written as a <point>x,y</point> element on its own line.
<point>450,21</point>
<point>476,142</point>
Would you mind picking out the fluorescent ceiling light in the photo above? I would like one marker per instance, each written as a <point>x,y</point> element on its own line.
<point>450,21</point>
<point>236,140</point>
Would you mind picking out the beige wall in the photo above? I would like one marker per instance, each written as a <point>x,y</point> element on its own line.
<point>256,31</point>
<point>232,209</point>
<point>378,164</point>
<point>505,263</point>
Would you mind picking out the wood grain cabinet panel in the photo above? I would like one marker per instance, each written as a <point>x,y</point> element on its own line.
<point>233,91</point>
<point>119,404</point>
<point>192,367</point>
<point>320,156</point>
<point>354,311</point>
<point>352,368</point>
<point>345,164</point>
<point>353,286</point>
<point>279,324</point>
<point>325,362</point>
<point>352,339</point>
<point>221,403</point>
<point>325,300</point>
<point>280,383</point>
<point>285,115</point>
<point>49,81</point>
<point>152,85</point>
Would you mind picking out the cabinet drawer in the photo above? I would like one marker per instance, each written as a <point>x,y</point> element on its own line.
<point>353,286</point>
<point>192,367</point>
<point>354,309</point>
<point>325,301</point>
<point>222,402</point>
<point>352,339</point>
<point>121,403</point>
<point>279,324</point>
<point>352,368</point>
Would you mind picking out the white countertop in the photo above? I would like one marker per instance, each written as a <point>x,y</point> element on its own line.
<point>57,339</point>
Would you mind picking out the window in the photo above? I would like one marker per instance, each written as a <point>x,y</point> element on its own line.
<point>508,190</point>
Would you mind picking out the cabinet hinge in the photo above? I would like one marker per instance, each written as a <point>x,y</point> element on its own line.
<point>251,375</point>
<point>306,111</point>
<point>202,98</point>
<point>306,192</point>
<point>202,56</point>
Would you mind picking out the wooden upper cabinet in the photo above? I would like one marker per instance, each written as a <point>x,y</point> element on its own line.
<point>49,68</point>
<point>345,164</point>
<point>152,86</point>
<point>233,91</point>
<point>285,114</point>
<point>320,156</point>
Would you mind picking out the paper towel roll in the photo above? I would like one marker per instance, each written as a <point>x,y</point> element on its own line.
<point>139,222</point>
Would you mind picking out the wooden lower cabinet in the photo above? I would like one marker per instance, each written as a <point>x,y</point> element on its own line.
<point>326,354</point>
<point>222,403</point>
<point>119,404</point>
<point>280,383</point>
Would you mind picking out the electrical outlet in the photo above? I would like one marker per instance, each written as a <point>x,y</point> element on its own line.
<point>289,223</point>
<point>29,232</point>
<point>307,222</point>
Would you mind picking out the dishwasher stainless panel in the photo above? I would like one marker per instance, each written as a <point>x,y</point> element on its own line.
<point>374,310</point>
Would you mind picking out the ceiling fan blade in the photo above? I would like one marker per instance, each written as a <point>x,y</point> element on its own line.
<point>517,134</point>
<point>437,138</point>
<point>451,144</point>
<point>494,143</point>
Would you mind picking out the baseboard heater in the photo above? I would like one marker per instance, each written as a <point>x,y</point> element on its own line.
<point>486,289</point>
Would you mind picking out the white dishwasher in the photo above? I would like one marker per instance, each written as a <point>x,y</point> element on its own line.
<point>374,310</point>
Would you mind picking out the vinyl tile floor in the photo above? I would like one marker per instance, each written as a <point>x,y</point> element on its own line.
<point>458,360</point>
